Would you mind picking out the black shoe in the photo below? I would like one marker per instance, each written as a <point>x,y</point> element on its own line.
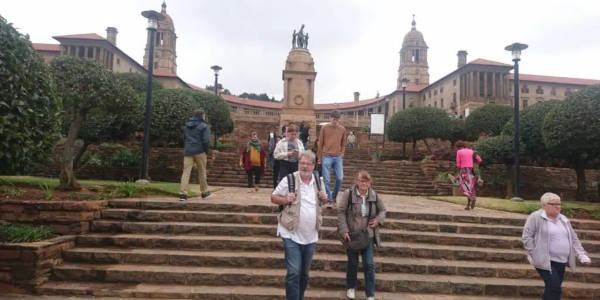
<point>206,194</point>
<point>182,197</point>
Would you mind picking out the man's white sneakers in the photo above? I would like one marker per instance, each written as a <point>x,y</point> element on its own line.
<point>370,298</point>
<point>350,294</point>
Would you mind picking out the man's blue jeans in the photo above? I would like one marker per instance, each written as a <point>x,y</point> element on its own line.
<point>335,163</point>
<point>368,269</point>
<point>298,259</point>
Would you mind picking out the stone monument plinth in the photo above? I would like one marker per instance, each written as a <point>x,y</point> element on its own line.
<point>299,90</point>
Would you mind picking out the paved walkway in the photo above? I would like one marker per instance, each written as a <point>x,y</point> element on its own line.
<point>416,204</point>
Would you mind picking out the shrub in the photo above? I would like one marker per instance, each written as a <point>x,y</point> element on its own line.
<point>125,159</point>
<point>127,189</point>
<point>91,159</point>
<point>14,233</point>
<point>29,108</point>
<point>489,119</point>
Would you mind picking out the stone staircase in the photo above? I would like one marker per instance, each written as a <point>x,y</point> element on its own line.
<point>390,177</point>
<point>162,248</point>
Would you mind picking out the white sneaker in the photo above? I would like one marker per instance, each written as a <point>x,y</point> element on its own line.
<point>350,294</point>
<point>370,298</point>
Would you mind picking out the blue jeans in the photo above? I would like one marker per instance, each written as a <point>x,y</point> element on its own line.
<point>368,269</point>
<point>553,280</point>
<point>335,163</point>
<point>298,259</point>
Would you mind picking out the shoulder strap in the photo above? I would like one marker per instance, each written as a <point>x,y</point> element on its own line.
<point>317,180</point>
<point>291,183</point>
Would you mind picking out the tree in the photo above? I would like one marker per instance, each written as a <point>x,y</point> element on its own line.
<point>456,131</point>
<point>110,123</point>
<point>500,150</point>
<point>139,82</point>
<point>261,97</point>
<point>84,86</point>
<point>418,123</point>
<point>531,120</point>
<point>170,110</point>
<point>212,88</point>
<point>570,131</point>
<point>29,108</point>
<point>489,119</point>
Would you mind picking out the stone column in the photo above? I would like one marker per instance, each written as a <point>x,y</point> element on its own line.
<point>477,85</point>
<point>485,84</point>
<point>494,91</point>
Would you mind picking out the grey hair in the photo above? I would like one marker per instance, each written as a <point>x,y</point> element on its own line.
<point>549,196</point>
<point>308,154</point>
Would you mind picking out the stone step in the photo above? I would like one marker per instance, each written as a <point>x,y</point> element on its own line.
<point>234,229</point>
<point>172,291</point>
<point>173,204</point>
<point>244,243</point>
<point>270,218</point>
<point>385,282</point>
<point>323,262</point>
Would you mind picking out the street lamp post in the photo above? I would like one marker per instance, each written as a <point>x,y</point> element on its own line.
<point>387,106</point>
<point>216,69</point>
<point>153,18</point>
<point>515,49</point>
<point>404,83</point>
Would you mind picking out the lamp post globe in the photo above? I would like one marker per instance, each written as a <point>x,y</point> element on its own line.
<point>515,49</point>
<point>216,69</point>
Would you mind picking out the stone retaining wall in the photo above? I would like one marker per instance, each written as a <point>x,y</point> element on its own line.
<point>64,217</point>
<point>534,180</point>
<point>23,266</point>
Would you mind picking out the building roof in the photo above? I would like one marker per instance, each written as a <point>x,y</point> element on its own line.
<point>555,79</point>
<point>252,102</point>
<point>481,61</point>
<point>46,47</point>
<point>84,36</point>
<point>347,105</point>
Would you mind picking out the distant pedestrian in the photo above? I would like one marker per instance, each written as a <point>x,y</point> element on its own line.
<point>276,163</point>
<point>287,151</point>
<point>196,146</point>
<point>299,222</point>
<point>466,177</point>
<point>351,140</point>
<point>304,134</point>
<point>551,245</point>
<point>253,159</point>
<point>332,145</point>
<point>271,148</point>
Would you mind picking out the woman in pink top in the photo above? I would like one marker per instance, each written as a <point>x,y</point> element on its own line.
<point>466,177</point>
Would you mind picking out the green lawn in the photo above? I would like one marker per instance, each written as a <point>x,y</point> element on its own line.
<point>168,188</point>
<point>571,209</point>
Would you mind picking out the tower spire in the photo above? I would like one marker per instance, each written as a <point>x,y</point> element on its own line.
<point>164,7</point>
<point>414,24</point>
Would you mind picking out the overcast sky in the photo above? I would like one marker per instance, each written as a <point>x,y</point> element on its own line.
<point>354,43</point>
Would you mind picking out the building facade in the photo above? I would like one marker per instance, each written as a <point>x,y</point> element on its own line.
<point>471,85</point>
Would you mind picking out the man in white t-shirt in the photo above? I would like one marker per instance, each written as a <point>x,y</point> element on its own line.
<point>299,222</point>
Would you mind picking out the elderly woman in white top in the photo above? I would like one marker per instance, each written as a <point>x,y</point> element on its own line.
<point>552,244</point>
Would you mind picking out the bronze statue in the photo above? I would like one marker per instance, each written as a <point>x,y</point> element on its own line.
<point>299,39</point>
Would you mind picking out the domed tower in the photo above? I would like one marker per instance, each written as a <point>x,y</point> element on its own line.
<point>413,58</point>
<point>165,55</point>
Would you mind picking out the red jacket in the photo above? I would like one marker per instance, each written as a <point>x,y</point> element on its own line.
<point>246,158</point>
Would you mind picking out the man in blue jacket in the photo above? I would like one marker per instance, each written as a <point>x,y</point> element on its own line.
<point>196,146</point>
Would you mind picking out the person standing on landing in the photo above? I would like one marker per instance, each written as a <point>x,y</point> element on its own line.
<point>332,144</point>
<point>466,177</point>
<point>287,150</point>
<point>196,145</point>
<point>253,160</point>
